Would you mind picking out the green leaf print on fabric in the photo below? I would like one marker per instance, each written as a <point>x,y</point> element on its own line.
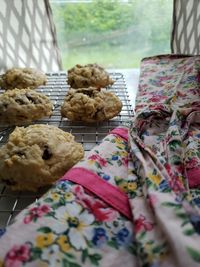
<point>84,255</point>
<point>176,160</point>
<point>194,254</point>
<point>35,253</point>
<point>48,200</point>
<point>95,258</point>
<point>172,205</point>
<point>66,263</point>
<point>189,232</point>
<point>174,144</point>
<point>44,230</point>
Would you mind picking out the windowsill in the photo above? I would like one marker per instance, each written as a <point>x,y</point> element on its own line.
<point>131,78</point>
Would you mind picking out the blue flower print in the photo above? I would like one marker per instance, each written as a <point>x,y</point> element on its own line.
<point>197,201</point>
<point>63,185</point>
<point>2,232</point>
<point>195,220</point>
<point>191,78</point>
<point>115,157</point>
<point>164,185</point>
<point>122,236</point>
<point>106,177</point>
<point>99,237</point>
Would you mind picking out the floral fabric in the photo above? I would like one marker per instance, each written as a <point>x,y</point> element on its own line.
<point>156,168</point>
<point>165,142</point>
<point>69,225</point>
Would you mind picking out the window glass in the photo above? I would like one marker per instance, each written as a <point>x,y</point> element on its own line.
<point>115,34</point>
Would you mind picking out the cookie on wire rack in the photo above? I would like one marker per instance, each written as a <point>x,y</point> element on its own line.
<point>21,106</point>
<point>22,78</point>
<point>90,105</point>
<point>37,156</point>
<point>90,75</point>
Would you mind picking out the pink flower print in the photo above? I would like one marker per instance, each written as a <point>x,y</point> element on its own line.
<point>157,98</point>
<point>99,159</point>
<point>102,213</point>
<point>99,209</point>
<point>190,133</point>
<point>44,209</point>
<point>192,163</point>
<point>93,157</point>
<point>168,168</point>
<point>36,212</point>
<point>142,224</point>
<point>180,94</point>
<point>176,184</point>
<point>125,161</point>
<point>17,256</point>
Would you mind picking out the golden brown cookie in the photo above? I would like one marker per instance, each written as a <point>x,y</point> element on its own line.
<point>37,156</point>
<point>22,78</point>
<point>20,106</point>
<point>90,75</point>
<point>90,105</point>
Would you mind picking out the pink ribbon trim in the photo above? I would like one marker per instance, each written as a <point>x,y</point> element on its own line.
<point>193,177</point>
<point>107,192</point>
<point>122,132</point>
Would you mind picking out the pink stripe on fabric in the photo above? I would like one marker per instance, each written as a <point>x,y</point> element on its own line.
<point>193,177</point>
<point>107,192</point>
<point>122,132</point>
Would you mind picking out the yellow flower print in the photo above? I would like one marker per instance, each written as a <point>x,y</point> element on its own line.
<point>155,178</point>
<point>69,196</point>
<point>132,186</point>
<point>123,153</point>
<point>124,186</point>
<point>163,255</point>
<point>122,146</point>
<point>44,240</point>
<point>174,98</point>
<point>63,242</point>
<point>55,196</point>
<point>118,140</point>
<point>147,247</point>
<point>90,161</point>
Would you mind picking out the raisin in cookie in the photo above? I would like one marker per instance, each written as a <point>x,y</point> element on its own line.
<point>88,75</point>
<point>22,78</point>
<point>90,105</point>
<point>37,156</point>
<point>20,106</point>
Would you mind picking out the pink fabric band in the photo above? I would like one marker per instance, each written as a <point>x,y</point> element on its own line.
<point>193,177</point>
<point>122,132</point>
<point>105,191</point>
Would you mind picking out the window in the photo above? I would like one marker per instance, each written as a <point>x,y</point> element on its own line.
<point>115,34</point>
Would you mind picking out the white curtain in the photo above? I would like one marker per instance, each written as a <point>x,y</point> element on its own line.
<point>186,27</point>
<point>27,35</point>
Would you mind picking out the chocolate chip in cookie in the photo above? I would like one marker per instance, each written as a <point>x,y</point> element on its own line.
<point>90,75</point>
<point>37,156</point>
<point>90,105</point>
<point>20,106</point>
<point>22,78</point>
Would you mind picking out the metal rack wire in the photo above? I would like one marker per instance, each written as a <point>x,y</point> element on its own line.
<point>87,134</point>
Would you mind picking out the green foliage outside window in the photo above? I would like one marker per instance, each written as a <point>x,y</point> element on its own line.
<point>113,33</point>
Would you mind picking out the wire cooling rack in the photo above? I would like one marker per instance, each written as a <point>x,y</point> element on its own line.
<point>87,134</point>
